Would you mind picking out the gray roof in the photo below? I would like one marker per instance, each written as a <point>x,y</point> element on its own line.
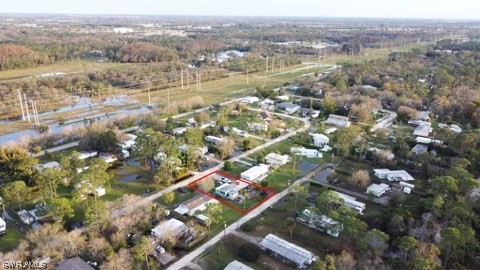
<point>236,265</point>
<point>75,263</point>
<point>285,249</point>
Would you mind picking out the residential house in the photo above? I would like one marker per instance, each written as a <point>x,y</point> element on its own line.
<point>423,129</point>
<point>319,140</point>
<point>276,160</point>
<point>258,126</point>
<point>305,112</point>
<point>338,120</point>
<point>215,140</point>
<point>398,175</point>
<point>419,149</point>
<point>49,165</point>
<point>25,216</point>
<point>266,116</point>
<point>75,263</point>
<point>239,132</point>
<point>287,252</point>
<point>197,203</point>
<point>351,202</point>
<point>288,108</point>
<point>406,187</point>
<point>282,98</point>
<point>236,265</point>
<point>87,154</point>
<point>179,131</point>
<point>199,151</point>
<point>267,104</point>
<point>256,173</point>
<point>378,189</point>
<point>250,100</point>
<point>382,153</point>
<point>424,140</point>
<point>129,143</point>
<point>230,190</point>
<point>329,131</point>
<point>305,152</point>
<point>108,158</point>
<point>320,222</point>
<point>169,227</point>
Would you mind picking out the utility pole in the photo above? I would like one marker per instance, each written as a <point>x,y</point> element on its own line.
<point>21,104</point>
<point>181,74</point>
<point>149,96</point>
<point>26,106</point>
<point>247,75</point>
<point>33,111</point>
<point>188,80</point>
<point>36,113</point>
<point>273,64</point>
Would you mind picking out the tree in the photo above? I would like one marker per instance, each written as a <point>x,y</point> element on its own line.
<point>16,193</point>
<point>375,241</point>
<point>426,257</point>
<point>194,137</point>
<point>290,223</point>
<point>222,116</point>
<point>345,139</point>
<point>141,251</point>
<point>226,147</point>
<point>59,208</point>
<point>353,229</point>
<point>48,181</point>
<point>327,264</point>
<point>361,178</point>
<point>249,252</point>
<point>214,213</point>
<point>228,165</point>
<point>168,197</point>
<point>456,242</point>
<point>119,261</point>
<point>298,191</point>
<point>397,198</point>
<point>345,261</point>
<point>201,117</point>
<point>406,244</point>
<point>444,185</point>
<point>247,143</point>
<point>16,164</point>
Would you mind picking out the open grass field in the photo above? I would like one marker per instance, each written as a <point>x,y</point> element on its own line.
<point>65,67</point>
<point>10,240</point>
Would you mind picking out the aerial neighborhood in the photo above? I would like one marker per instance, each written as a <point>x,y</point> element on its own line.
<point>222,143</point>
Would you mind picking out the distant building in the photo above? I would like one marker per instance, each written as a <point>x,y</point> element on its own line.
<point>288,108</point>
<point>306,112</point>
<point>75,263</point>
<point>330,130</point>
<point>236,265</point>
<point>250,100</point>
<point>378,189</point>
<point>338,120</point>
<point>276,160</point>
<point>424,140</point>
<point>171,226</point>
<point>319,140</point>
<point>423,130</point>
<point>419,149</point>
<point>108,158</point>
<point>258,126</point>
<point>215,140</point>
<point>49,165</point>
<point>85,155</point>
<point>239,132</point>
<point>197,203</point>
<point>305,152</point>
<point>266,116</point>
<point>179,131</point>
<point>256,173</point>
<point>286,251</point>
<point>267,104</point>
<point>352,203</point>
<point>320,222</point>
<point>398,175</point>
<point>382,153</point>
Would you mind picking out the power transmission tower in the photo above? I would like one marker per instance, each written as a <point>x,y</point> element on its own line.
<point>21,104</point>
<point>26,106</point>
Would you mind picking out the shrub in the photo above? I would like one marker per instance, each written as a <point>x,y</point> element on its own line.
<point>249,252</point>
<point>247,227</point>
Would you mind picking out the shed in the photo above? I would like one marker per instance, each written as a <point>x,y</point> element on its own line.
<point>256,173</point>
<point>286,251</point>
<point>378,189</point>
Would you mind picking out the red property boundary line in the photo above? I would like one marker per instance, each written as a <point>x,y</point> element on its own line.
<point>270,192</point>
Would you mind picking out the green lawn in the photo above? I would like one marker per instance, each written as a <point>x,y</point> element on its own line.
<point>10,240</point>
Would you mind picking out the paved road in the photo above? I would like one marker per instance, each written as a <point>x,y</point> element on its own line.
<point>185,182</point>
<point>385,122</point>
<point>185,260</point>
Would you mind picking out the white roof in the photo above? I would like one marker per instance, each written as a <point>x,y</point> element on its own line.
<point>2,222</point>
<point>398,175</point>
<point>351,201</point>
<point>319,137</point>
<point>282,158</point>
<point>378,189</point>
<point>255,172</point>
<point>288,250</point>
<point>173,225</point>
<point>236,265</point>
<point>330,130</point>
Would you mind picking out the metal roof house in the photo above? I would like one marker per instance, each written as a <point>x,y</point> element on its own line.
<point>419,149</point>
<point>3,226</point>
<point>197,203</point>
<point>75,263</point>
<point>319,139</point>
<point>171,226</point>
<point>302,151</point>
<point>378,189</point>
<point>351,202</point>
<point>256,173</point>
<point>236,265</point>
<point>250,100</point>
<point>286,251</point>
<point>399,175</point>
<point>423,130</point>
<point>338,120</point>
<point>320,222</point>
<point>276,160</point>
<point>288,108</point>
<point>215,140</point>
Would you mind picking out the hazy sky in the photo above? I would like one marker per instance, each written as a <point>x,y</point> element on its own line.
<point>442,9</point>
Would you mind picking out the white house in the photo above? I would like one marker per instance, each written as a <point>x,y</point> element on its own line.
<point>382,153</point>
<point>423,130</point>
<point>197,203</point>
<point>128,143</point>
<point>276,160</point>
<point>378,189</point>
<point>200,151</point>
<point>424,140</point>
<point>215,140</point>
<point>258,126</point>
<point>230,190</point>
<point>398,175</point>
<point>108,158</point>
<point>319,140</point>
<point>179,131</point>
<point>330,130</point>
<point>239,132</point>
<point>302,151</point>
<point>25,216</point>
<point>288,108</point>
<point>256,173</point>
<point>250,100</point>
<point>287,252</point>
<point>171,226</point>
<point>338,120</point>
<point>85,155</point>
<point>351,202</point>
<point>3,226</point>
<point>282,98</point>
<point>455,129</point>
<point>49,165</point>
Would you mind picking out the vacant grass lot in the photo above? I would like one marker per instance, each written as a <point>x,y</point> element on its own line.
<point>10,240</point>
